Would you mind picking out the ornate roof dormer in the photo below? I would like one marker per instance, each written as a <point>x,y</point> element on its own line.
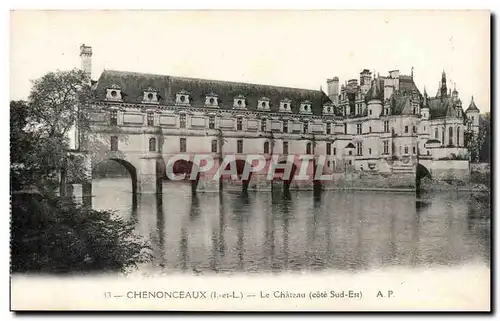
<point>263,103</point>
<point>305,107</point>
<point>285,105</point>
<point>114,93</point>
<point>240,102</point>
<point>150,96</point>
<point>183,98</point>
<point>328,109</point>
<point>212,100</point>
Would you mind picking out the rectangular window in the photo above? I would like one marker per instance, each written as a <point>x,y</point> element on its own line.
<point>358,129</point>
<point>370,111</point>
<point>345,128</point>
<point>211,122</point>
<point>328,148</point>
<point>151,119</point>
<point>370,129</point>
<point>406,149</point>
<point>113,118</point>
<point>214,146</point>
<point>183,147</point>
<point>114,143</point>
<point>306,127</point>
<point>369,151</point>
<point>414,150</point>
<point>406,129</point>
<point>239,123</point>
<point>386,147</point>
<point>285,126</point>
<point>263,125</point>
<point>359,148</point>
<point>182,121</point>
<point>334,151</point>
<point>414,129</point>
<point>239,146</point>
<point>386,126</point>
<point>285,148</point>
<point>328,128</point>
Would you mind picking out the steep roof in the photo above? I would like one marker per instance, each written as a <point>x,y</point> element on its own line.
<point>472,106</point>
<point>374,93</point>
<point>133,84</point>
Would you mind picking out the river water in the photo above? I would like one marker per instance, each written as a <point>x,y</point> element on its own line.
<point>335,231</point>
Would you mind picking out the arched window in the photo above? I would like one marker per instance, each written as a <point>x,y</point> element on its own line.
<point>214,146</point>
<point>308,149</point>
<point>436,134</point>
<point>152,144</point>
<point>450,136</point>
<point>458,136</point>
<point>266,148</point>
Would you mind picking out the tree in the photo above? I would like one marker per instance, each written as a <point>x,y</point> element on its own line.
<point>479,145</point>
<point>50,233</point>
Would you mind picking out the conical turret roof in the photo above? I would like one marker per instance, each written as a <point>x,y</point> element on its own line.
<point>472,106</point>
<point>374,93</point>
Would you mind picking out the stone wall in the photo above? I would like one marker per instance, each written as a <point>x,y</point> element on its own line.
<point>449,170</point>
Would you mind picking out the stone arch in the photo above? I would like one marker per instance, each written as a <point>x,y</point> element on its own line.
<point>240,166</point>
<point>421,172</point>
<point>131,169</point>
<point>186,167</point>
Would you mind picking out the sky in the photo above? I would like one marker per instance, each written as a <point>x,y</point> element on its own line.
<point>284,48</point>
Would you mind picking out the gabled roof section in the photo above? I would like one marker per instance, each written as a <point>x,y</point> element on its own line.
<point>133,84</point>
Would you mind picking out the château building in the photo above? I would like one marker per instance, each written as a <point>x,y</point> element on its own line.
<point>374,123</point>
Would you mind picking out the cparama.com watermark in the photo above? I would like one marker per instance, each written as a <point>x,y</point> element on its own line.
<point>296,167</point>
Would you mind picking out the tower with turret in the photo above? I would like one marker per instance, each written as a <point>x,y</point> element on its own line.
<point>472,114</point>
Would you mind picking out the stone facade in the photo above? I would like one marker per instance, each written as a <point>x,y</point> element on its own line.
<point>379,126</point>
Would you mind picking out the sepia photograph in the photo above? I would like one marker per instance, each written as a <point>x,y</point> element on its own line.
<point>250,160</point>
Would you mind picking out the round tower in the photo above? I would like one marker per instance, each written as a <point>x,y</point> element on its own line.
<point>374,100</point>
<point>472,114</point>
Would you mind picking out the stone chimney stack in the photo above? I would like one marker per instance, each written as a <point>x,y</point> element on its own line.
<point>86,59</point>
<point>333,90</point>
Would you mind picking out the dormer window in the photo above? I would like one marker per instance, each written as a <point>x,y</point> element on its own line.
<point>150,96</point>
<point>263,103</point>
<point>114,93</point>
<point>212,100</point>
<point>328,109</point>
<point>305,107</point>
<point>286,105</point>
<point>240,102</point>
<point>183,98</point>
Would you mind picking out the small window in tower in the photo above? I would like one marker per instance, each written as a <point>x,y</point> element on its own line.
<point>183,98</point>
<point>212,100</point>
<point>113,93</point>
<point>214,146</point>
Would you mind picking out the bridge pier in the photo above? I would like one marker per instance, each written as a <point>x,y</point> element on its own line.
<point>149,176</point>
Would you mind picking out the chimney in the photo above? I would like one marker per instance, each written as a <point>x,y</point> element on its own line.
<point>333,89</point>
<point>86,59</point>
